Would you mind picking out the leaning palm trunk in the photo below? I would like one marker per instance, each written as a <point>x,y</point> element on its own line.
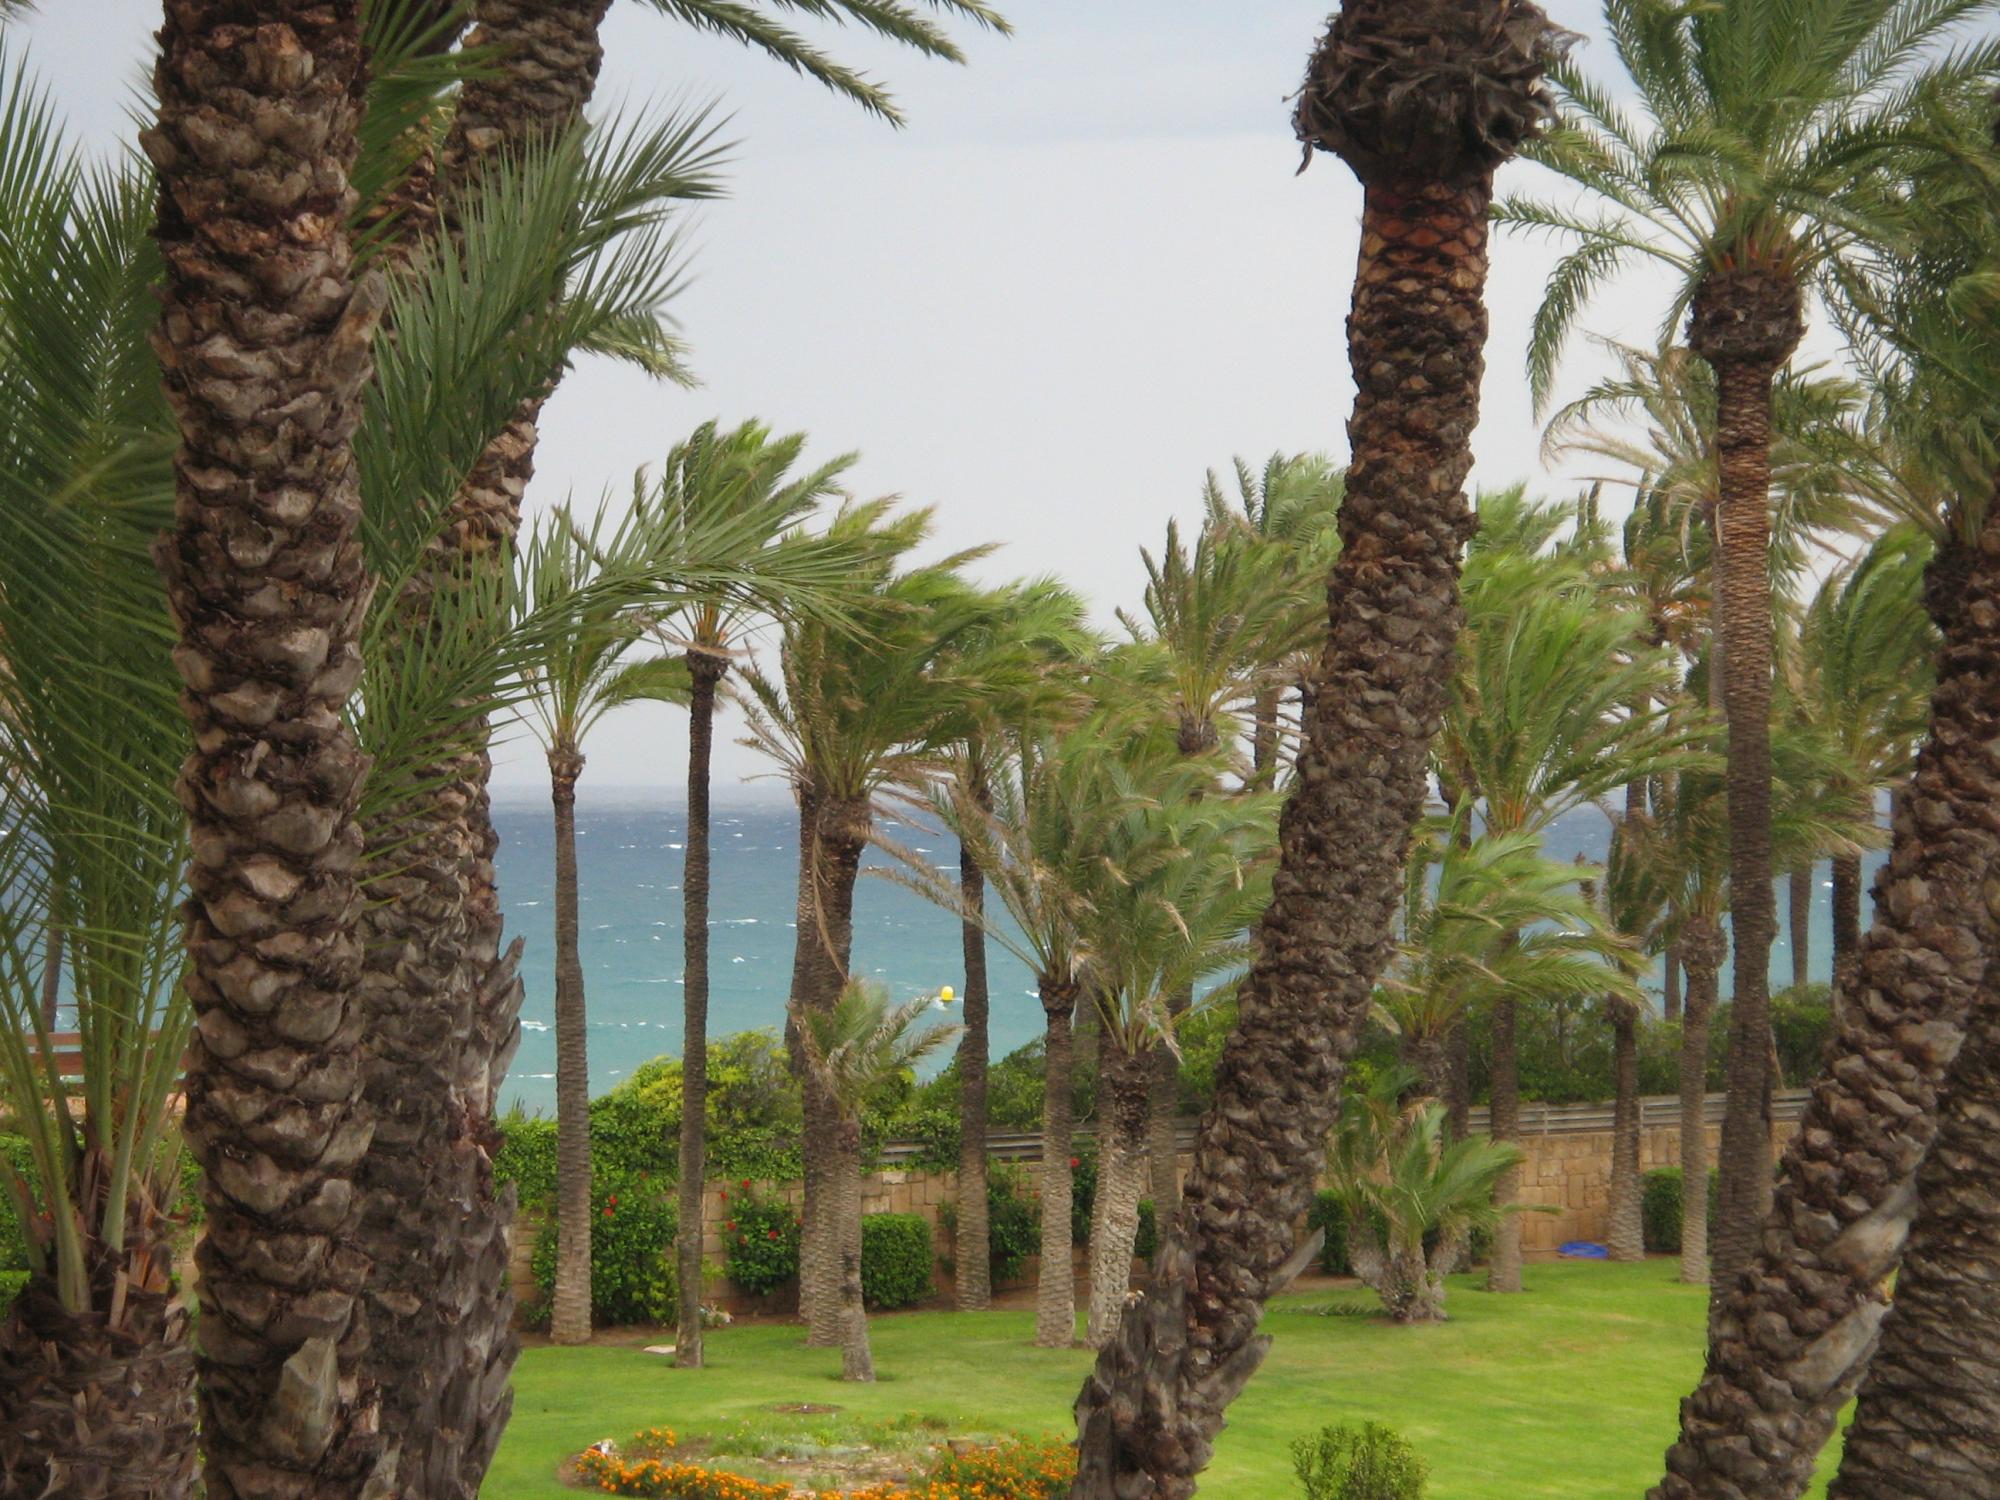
<point>1745,324</point>
<point>1625,1235</point>
<point>1504,1275</point>
<point>1927,1424</point>
<point>569,1313</point>
<point>856,1360</point>
<point>704,673</point>
<point>1121,1174</point>
<point>1055,1284</point>
<point>265,578</point>
<point>972,1250</point>
<point>1149,1412</point>
<point>1409,1282</point>
<point>832,833</point>
<point>1703,949</point>
<point>1795,1333</point>
<point>99,1405</point>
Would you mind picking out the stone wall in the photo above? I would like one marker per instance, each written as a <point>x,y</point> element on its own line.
<point>1567,1171</point>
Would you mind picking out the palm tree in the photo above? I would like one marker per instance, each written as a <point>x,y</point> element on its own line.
<point>1180,880</point>
<point>1391,89</point>
<point>1412,1195</point>
<point>1736,181</point>
<point>91,736</point>
<point>852,1050</point>
<point>584,676</point>
<point>744,473</point>
<point>857,711</point>
<point>1865,654</point>
<point>1291,505</point>
<point>273,783</point>
<point>1552,709</point>
<point>1225,615</point>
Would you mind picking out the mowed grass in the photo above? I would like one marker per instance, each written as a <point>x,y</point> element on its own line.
<point>1569,1391</point>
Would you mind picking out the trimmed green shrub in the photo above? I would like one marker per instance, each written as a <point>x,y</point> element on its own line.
<point>13,1236</point>
<point>1146,1243</point>
<point>1013,1227</point>
<point>1365,1462</point>
<point>1801,1022</point>
<point>1661,1207</point>
<point>895,1260</point>
<point>631,1252</point>
<point>11,1283</point>
<point>762,1236</point>
<point>527,1158</point>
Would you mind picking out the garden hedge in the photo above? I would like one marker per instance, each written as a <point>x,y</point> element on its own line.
<point>1660,1208</point>
<point>632,1226</point>
<point>895,1260</point>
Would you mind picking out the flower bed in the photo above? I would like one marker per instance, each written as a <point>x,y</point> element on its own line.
<point>651,1465</point>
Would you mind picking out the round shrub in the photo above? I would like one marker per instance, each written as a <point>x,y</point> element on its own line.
<point>762,1236</point>
<point>1661,1208</point>
<point>895,1260</point>
<point>1328,1214</point>
<point>1013,1227</point>
<point>632,1222</point>
<point>1365,1462</point>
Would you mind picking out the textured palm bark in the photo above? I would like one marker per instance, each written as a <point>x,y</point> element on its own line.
<point>1430,1056</point>
<point>1670,982</point>
<point>1055,1282</point>
<point>264,347</point>
<point>569,1315</point>
<point>1625,1233</point>
<point>1265,740</point>
<point>857,1361</point>
<point>1798,922</point>
<point>1794,1333</point>
<point>1846,922</point>
<point>833,832</point>
<point>1745,324</point>
<point>1504,1272</point>
<point>705,673</point>
<point>1410,1283</point>
<point>1150,1410</point>
<point>1704,948</point>
<point>972,1246</point>
<point>1121,1176</point>
<point>1163,1147</point>
<point>100,1405</point>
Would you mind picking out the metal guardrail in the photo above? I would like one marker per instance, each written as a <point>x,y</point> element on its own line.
<point>1655,1110</point>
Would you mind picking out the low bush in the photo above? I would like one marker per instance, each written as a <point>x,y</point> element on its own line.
<point>1146,1243</point>
<point>1328,1214</point>
<point>1013,1226</point>
<point>1661,1205</point>
<point>1014,1470</point>
<point>1365,1462</point>
<point>762,1236</point>
<point>631,1253</point>
<point>14,1159</point>
<point>650,1465</point>
<point>11,1283</point>
<point>895,1260</point>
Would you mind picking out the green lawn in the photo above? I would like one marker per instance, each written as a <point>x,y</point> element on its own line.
<point>1568,1391</point>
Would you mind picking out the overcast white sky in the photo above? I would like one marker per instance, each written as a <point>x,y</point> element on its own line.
<point>1084,274</point>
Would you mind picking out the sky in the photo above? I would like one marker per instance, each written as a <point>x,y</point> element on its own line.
<point>1086,273</point>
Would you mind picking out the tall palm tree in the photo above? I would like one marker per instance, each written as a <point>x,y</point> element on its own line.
<point>743,473</point>
<point>1552,708</point>
<point>854,713</point>
<point>273,784</point>
<point>1423,100</point>
<point>1734,177</point>
<point>584,676</point>
<point>852,1050</point>
<point>96,1363</point>
<point>1225,614</point>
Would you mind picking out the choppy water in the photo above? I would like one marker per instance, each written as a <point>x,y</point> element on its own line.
<point>629,857</point>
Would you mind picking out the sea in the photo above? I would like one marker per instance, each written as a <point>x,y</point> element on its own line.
<point>630,848</point>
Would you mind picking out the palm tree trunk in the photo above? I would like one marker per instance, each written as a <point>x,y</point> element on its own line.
<point>1625,1235</point>
<point>856,1360</point>
<point>1745,324</point>
<point>1265,742</point>
<point>1430,1056</point>
<point>256,129</point>
<point>972,1251</point>
<point>1055,1285</point>
<point>1794,1336</point>
<point>1504,1275</point>
<point>1458,1080</point>
<point>832,834</point>
<point>1163,1109</point>
<point>1149,1411</point>
<point>1704,948</point>
<point>1927,1424</point>
<point>705,673</point>
<point>569,1320</point>
<point>99,1405</point>
<point>52,961</point>
<point>1798,922</point>
<point>1670,982</point>
<point>1121,1173</point>
<point>1846,923</point>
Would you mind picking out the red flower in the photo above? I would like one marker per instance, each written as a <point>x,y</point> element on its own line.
<point>725,1195</point>
<point>612,1200</point>
<point>772,1233</point>
<point>730,1225</point>
<point>607,1210</point>
<point>746,1184</point>
<point>1076,1161</point>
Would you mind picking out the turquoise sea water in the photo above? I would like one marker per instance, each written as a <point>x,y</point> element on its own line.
<point>629,853</point>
